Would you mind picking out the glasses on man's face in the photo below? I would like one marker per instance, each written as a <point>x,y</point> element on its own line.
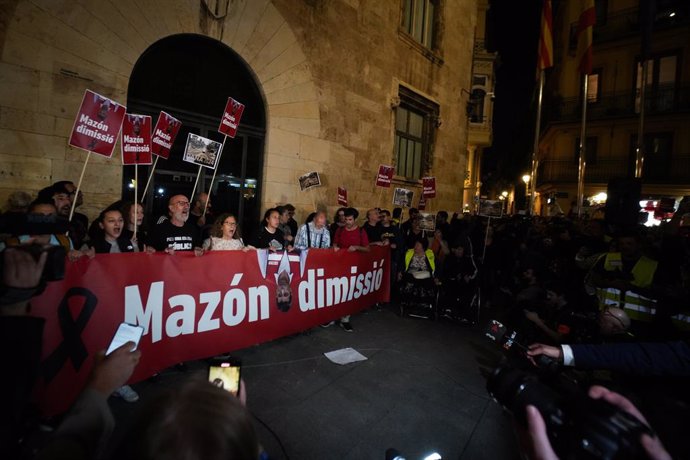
<point>183,204</point>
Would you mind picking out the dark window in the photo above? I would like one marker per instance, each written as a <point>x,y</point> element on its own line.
<point>415,126</point>
<point>418,19</point>
<point>590,150</point>
<point>657,155</point>
<point>662,82</point>
<point>594,86</point>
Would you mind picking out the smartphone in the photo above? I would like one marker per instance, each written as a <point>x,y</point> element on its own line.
<point>125,333</point>
<point>225,374</point>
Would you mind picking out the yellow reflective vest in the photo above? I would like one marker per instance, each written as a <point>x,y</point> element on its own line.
<point>638,307</point>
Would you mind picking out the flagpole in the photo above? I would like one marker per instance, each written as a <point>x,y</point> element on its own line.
<point>533,175</point>
<point>582,161</point>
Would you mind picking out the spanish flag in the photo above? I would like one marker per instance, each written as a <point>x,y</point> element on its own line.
<point>546,39</point>
<point>584,37</point>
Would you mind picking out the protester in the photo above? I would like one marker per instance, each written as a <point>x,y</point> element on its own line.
<point>391,236</point>
<point>352,238</point>
<point>283,225</point>
<point>269,235</point>
<point>177,233</point>
<point>373,227</point>
<point>406,226</point>
<point>420,269</point>
<point>196,211</point>
<point>314,234</point>
<point>459,278</point>
<point>128,212</point>
<point>292,223</point>
<point>338,222</point>
<point>225,235</point>
<point>110,239</point>
<point>195,421</point>
<point>17,206</point>
<point>413,233</point>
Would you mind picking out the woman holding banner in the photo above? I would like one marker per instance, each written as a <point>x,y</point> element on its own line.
<point>269,236</point>
<point>225,235</point>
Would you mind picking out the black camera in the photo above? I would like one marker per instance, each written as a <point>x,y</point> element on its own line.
<point>578,426</point>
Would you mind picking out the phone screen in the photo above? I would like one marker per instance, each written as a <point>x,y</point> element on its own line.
<point>225,375</point>
<point>125,333</point>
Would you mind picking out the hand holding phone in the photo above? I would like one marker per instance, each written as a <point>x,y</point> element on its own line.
<point>125,333</point>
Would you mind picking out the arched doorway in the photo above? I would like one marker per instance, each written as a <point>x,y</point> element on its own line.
<point>191,76</point>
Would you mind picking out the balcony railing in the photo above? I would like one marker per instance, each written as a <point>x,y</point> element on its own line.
<point>662,100</point>
<point>668,171</point>
<point>626,23</point>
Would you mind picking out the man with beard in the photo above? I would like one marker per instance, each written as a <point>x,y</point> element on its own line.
<point>61,195</point>
<point>177,233</point>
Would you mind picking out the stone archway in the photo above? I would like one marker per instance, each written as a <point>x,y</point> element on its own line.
<point>52,51</point>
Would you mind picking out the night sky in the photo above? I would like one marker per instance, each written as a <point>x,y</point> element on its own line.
<point>513,32</point>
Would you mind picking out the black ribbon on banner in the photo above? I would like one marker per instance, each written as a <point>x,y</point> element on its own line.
<point>72,347</point>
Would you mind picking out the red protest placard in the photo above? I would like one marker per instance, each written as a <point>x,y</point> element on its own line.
<point>136,140</point>
<point>342,196</point>
<point>164,134</point>
<point>422,203</point>
<point>231,117</point>
<point>384,176</point>
<point>97,124</point>
<point>429,187</point>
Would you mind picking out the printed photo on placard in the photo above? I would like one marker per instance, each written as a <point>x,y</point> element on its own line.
<point>97,124</point>
<point>164,134</point>
<point>202,151</point>
<point>491,208</point>
<point>309,180</point>
<point>403,197</point>
<point>427,222</point>
<point>136,140</point>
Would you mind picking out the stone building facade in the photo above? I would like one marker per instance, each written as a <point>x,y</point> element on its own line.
<point>331,76</point>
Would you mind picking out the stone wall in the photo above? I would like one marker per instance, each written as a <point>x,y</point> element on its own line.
<point>327,69</point>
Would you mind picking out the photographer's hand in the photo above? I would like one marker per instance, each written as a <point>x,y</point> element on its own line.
<point>537,349</point>
<point>21,269</point>
<point>539,441</point>
<point>652,445</point>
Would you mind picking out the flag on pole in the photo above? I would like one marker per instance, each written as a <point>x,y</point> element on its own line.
<point>585,27</point>
<point>546,39</point>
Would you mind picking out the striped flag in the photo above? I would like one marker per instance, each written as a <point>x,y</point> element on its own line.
<point>585,27</point>
<point>546,39</point>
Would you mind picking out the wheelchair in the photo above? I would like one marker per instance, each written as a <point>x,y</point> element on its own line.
<point>419,298</point>
<point>460,301</point>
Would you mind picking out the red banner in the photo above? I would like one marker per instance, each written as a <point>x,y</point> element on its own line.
<point>136,140</point>
<point>342,196</point>
<point>429,187</point>
<point>164,134</point>
<point>194,307</point>
<point>231,117</point>
<point>97,124</point>
<point>384,176</point>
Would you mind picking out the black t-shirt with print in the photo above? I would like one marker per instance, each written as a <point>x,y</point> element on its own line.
<point>184,238</point>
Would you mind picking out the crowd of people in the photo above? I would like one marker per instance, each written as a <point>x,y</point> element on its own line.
<point>588,294</point>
